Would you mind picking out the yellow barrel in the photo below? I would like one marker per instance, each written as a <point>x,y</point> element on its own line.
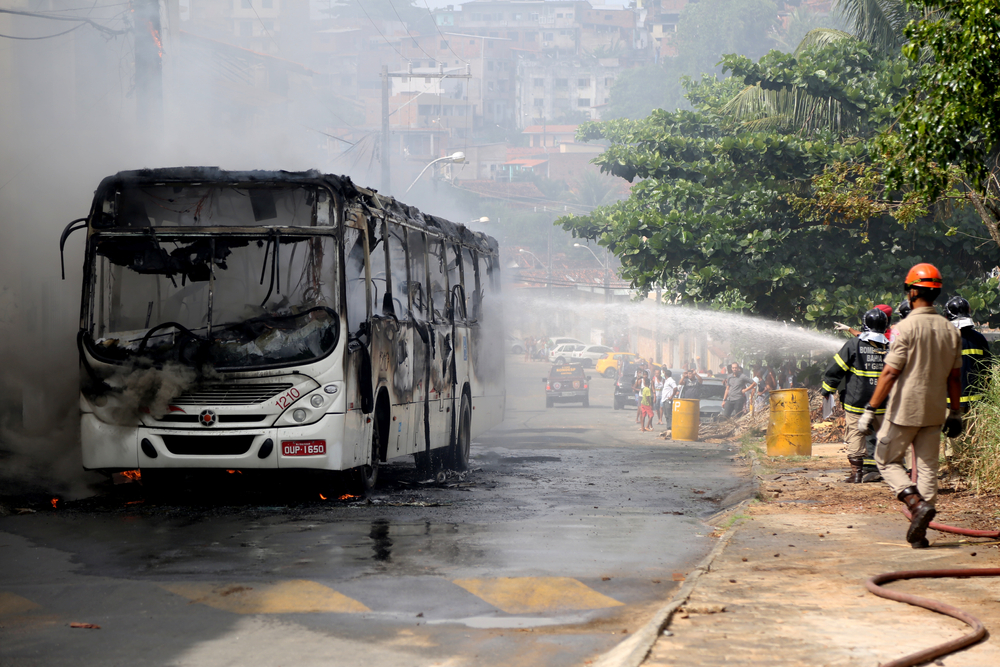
<point>789,432</point>
<point>684,419</point>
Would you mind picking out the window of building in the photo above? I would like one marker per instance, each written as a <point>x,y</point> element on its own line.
<point>489,86</point>
<point>534,16</point>
<point>539,83</point>
<point>539,102</point>
<point>512,36</point>
<point>530,36</point>
<point>246,29</point>
<point>517,16</point>
<point>608,81</point>
<point>503,86</point>
<point>424,109</point>
<point>548,37</point>
<point>489,65</point>
<point>472,41</point>
<point>559,16</point>
<point>477,17</point>
<point>583,102</point>
<point>562,83</point>
<point>583,83</point>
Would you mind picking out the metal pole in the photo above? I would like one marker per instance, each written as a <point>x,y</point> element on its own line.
<point>385,130</point>
<point>549,262</point>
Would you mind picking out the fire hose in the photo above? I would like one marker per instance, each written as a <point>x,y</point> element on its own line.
<point>874,585</point>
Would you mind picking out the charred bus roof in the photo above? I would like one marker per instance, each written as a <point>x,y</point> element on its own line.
<point>343,189</point>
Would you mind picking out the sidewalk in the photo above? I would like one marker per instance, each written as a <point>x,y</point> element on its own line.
<point>788,588</point>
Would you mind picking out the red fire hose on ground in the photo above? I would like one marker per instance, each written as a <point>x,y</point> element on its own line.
<point>978,631</point>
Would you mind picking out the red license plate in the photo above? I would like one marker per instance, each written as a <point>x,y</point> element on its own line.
<point>303,447</point>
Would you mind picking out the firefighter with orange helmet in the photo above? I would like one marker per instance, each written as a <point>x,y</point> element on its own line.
<point>921,376</point>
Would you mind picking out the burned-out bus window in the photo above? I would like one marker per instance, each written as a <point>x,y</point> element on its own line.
<point>397,264</point>
<point>439,285</point>
<point>380,272</point>
<point>354,278</point>
<point>231,301</point>
<point>416,288</point>
<point>215,206</point>
<point>456,302</point>
<point>471,283</point>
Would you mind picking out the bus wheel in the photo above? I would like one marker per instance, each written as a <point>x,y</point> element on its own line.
<point>366,476</point>
<point>463,441</point>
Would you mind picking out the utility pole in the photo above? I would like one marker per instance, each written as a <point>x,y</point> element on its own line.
<point>148,65</point>
<point>386,75</point>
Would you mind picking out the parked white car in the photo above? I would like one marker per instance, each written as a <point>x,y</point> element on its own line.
<point>591,353</point>
<point>560,354</point>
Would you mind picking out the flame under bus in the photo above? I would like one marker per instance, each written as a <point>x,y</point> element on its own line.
<point>243,320</point>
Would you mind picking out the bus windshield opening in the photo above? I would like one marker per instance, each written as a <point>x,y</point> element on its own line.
<point>228,301</point>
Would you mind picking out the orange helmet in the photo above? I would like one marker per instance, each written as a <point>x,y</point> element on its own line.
<point>924,275</point>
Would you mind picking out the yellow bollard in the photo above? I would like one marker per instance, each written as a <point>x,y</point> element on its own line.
<point>789,431</point>
<point>684,419</point>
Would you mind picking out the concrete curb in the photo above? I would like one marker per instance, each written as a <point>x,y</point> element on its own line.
<point>633,651</point>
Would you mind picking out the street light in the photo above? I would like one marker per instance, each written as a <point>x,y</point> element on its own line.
<point>457,156</point>
<point>606,265</point>
<point>528,252</point>
<point>483,220</point>
<point>548,269</point>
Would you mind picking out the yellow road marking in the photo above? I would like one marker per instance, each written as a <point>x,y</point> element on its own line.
<point>286,597</point>
<point>15,604</point>
<point>526,595</point>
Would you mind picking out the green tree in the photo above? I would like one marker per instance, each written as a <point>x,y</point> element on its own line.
<point>714,218</point>
<point>952,116</point>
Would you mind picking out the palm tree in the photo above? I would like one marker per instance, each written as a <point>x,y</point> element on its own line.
<point>879,23</point>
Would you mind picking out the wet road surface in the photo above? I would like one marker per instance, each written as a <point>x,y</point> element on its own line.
<point>567,534</point>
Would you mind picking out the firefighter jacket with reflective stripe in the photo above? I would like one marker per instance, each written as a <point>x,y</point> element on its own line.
<point>976,359</point>
<point>860,363</point>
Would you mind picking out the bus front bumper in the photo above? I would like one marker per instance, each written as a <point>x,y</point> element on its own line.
<point>317,446</point>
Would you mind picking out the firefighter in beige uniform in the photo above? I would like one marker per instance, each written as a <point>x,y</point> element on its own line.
<point>922,370</point>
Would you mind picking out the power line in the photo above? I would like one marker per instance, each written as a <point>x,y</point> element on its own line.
<point>58,34</point>
<point>380,32</point>
<point>407,29</point>
<point>443,38</point>
<point>76,19</point>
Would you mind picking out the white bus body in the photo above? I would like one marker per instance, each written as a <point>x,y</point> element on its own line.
<point>275,320</point>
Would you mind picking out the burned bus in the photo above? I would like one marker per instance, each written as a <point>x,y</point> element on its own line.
<point>280,320</point>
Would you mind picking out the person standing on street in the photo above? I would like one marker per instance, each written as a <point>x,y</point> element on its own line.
<point>854,374</point>
<point>666,398</point>
<point>922,370</point>
<point>733,399</point>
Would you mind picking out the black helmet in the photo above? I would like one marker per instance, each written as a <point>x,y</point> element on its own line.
<point>957,307</point>
<point>904,308</point>
<point>876,321</point>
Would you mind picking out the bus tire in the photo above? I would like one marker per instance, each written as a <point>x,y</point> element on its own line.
<point>366,476</point>
<point>458,458</point>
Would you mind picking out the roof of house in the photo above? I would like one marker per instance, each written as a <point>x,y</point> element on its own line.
<point>551,129</point>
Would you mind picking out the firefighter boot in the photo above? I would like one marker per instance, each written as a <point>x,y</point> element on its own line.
<point>921,514</point>
<point>857,466</point>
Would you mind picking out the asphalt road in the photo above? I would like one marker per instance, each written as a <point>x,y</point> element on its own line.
<point>570,530</point>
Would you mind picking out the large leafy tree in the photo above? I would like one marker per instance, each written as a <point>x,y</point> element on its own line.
<point>716,217</point>
<point>951,118</point>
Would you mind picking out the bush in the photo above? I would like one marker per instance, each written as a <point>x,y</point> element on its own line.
<point>977,456</point>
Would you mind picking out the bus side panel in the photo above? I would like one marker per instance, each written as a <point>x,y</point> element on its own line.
<point>108,445</point>
<point>391,350</point>
<point>440,405</point>
<point>357,425</point>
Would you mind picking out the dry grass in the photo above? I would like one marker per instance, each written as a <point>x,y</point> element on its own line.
<point>977,455</point>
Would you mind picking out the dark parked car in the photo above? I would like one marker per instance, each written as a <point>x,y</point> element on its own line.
<point>624,396</point>
<point>567,383</point>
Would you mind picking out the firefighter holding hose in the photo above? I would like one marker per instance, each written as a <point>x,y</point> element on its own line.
<point>921,376</point>
<point>857,367</point>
